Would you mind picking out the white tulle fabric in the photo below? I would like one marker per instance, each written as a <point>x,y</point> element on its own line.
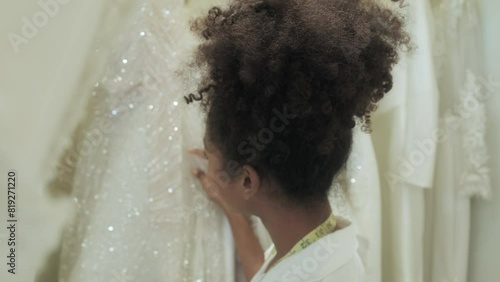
<point>139,214</point>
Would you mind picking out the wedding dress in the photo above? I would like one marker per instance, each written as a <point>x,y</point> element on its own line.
<point>427,231</point>
<point>139,213</point>
<point>406,153</point>
<point>462,162</point>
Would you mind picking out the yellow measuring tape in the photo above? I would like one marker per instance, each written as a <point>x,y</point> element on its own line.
<point>325,228</point>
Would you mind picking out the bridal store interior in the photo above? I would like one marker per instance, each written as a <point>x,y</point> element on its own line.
<point>104,191</point>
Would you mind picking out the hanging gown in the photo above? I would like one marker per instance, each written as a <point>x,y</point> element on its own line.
<point>402,135</point>
<point>462,161</point>
<point>139,213</point>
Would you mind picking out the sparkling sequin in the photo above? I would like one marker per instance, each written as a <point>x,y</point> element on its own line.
<point>125,214</point>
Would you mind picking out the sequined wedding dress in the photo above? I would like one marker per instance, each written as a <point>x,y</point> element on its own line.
<point>139,214</point>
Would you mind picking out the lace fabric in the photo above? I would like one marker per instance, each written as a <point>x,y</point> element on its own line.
<point>461,82</point>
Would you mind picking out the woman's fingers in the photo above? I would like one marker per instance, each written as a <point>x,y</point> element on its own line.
<point>197,172</point>
<point>198,152</point>
<point>200,174</point>
<point>208,186</point>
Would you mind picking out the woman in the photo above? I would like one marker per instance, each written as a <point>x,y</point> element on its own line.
<point>284,83</point>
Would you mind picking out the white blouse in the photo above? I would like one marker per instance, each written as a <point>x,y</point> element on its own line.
<point>331,258</point>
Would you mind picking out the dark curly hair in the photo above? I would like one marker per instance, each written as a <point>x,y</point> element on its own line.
<point>314,65</point>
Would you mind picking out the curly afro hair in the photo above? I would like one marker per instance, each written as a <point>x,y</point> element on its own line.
<point>285,81</point>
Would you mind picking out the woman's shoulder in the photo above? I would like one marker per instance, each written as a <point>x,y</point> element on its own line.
<point>331,258</point>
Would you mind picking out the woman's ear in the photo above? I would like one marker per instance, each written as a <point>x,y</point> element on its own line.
<point>250,182</point>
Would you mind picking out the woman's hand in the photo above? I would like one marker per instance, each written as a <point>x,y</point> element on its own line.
<point>210,187</point>
<point>247,244</point>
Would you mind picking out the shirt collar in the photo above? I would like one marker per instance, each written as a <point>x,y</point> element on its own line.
<point>318,260</point>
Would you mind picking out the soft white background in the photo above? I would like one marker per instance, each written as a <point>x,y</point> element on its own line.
<point>38,83</point>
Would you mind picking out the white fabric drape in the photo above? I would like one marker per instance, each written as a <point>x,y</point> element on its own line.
<point>426,231</point>
<point>461,170</point>
<point>405,151</point>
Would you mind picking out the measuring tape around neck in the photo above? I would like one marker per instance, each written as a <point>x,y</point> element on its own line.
<point>325,228</point>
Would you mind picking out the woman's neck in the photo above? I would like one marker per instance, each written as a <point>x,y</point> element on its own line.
<point>287,226</point>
